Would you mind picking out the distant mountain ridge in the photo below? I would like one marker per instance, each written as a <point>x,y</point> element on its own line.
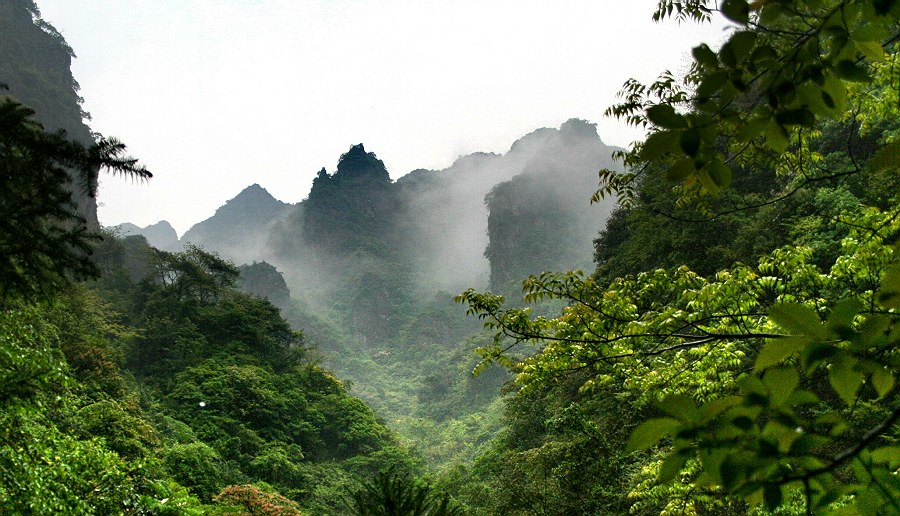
<point>160,235</point>
<point>238,229</point>
<point>430,226</point>
<point>370,265</point>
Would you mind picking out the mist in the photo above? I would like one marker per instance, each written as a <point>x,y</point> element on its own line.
<point>359,235</point>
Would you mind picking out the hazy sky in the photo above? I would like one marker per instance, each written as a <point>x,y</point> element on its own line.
<point>215,95</point>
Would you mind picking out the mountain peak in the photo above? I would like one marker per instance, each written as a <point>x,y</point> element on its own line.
<point>575,128</point>
<point>356,163</point>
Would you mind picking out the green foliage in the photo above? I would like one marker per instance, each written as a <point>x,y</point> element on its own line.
<point>773,385</point>
<point>785,67</point>
<point>196,466</point>
<point>194,275</point>
<point>45,471</point>
<point>30,364</point>
<point>44,468</point>
<point>391,493</point>
<point>673,338</point>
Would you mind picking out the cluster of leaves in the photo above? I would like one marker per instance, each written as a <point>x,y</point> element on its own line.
<point>770,384</point>
<point>785,67</point>
<point>393,493</point>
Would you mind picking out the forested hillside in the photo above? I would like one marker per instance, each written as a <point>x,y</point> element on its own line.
<point>152,385</point>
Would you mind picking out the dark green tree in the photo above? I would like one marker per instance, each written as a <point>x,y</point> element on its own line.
<point>394,493</point>
<point>43,239</point>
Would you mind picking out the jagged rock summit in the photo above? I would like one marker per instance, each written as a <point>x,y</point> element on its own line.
<point>356,163</point>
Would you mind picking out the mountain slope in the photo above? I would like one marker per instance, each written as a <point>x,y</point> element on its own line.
<point>238,229</point>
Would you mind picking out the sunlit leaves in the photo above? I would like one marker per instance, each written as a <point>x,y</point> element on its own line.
<point>782,69</point>
<point>650,432</point>
<point>683,345</point>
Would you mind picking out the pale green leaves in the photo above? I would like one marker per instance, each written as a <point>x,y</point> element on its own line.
<point>781,71</point>
<point>651,432</point>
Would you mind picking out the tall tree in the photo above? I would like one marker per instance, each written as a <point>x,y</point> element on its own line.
<point>43,238</point>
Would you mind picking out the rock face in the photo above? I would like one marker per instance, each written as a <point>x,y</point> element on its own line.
<point>542,219</point>
<point>35,65</point>
<point>458,249</point>
<point>263,280</point>
<point>239,229</point>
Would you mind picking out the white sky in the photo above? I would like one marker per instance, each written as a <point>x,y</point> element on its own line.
<point>215,95</point>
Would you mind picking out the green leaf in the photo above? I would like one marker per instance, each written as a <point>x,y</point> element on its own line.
<point>720,174</point>
<point>776,350</point>
<point>818,101</point>
<point>797,319</point>
<point>737,11</point>
<point>883,381</point>
<point>781,382</point>
<point>836,89</point>
<point>770,13</point>
<point>680,170</point>
<point>871,49</point>
<point>816,353</point>
<point>716,407</point>
<point>828,100</point>
<point>732,473</point>
<point>844,379</point>
<point>690,141</point>
<point>651,432</point>
<point>707,181</point>
<point>886,455</point>
<point>777,136</point>
<point>889,293</point>
<point>764,53</point>
<point>753,128</point>
<point>870,32</point>
<point>886,158</point>
<point>659,144</point>
<point>800,116</point>
<point>742,43</point>
<point>840,320</point>
<point>711,460</point>
<point>712,83</point>
<point>850,71</point>
<point>672,465</point>
<point>664,115</point>
<point>680,406</point>
<point>703,55</point>
<point>802,398</point>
